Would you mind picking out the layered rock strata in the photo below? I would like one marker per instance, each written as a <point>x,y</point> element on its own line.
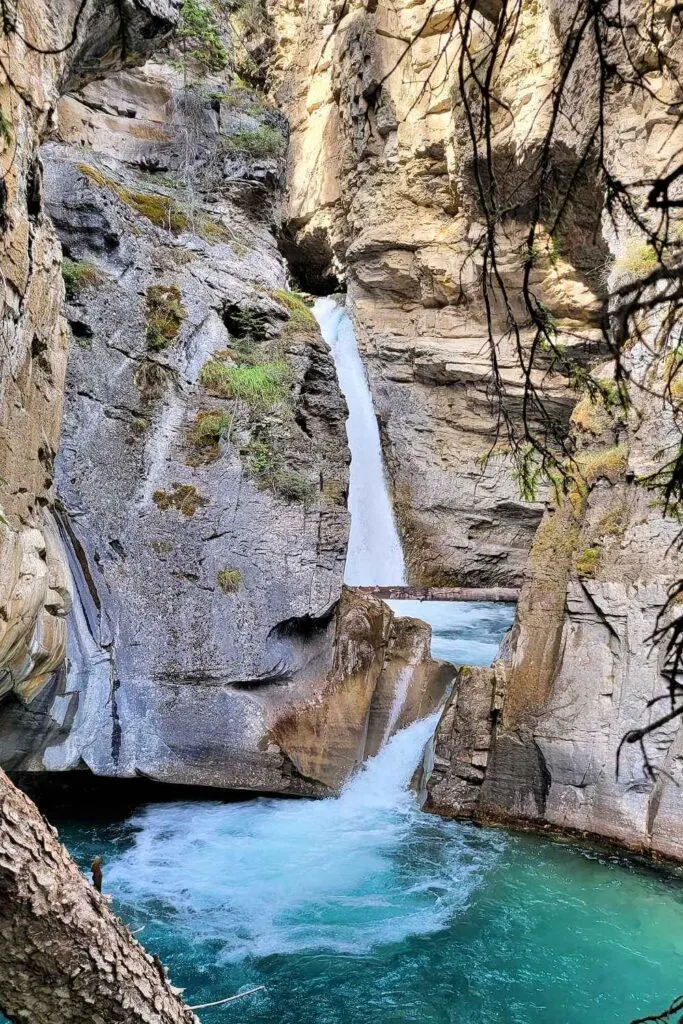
<point>539,737</point>
<point>381,193</point>
<point>44,51</point>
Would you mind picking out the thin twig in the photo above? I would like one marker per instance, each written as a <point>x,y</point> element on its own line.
<point>219,1002</point>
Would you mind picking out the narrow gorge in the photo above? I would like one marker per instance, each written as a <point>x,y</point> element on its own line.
<point>303,301</point>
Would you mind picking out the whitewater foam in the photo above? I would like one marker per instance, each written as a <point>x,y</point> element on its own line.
<point>269,876</point>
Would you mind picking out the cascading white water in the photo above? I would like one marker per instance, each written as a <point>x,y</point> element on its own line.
<point>268,877</point>
<point>374,555</point>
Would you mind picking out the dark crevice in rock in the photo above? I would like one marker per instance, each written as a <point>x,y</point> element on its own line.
<point>80,329</point>
<point>34,190</point>
<point>310,260</point>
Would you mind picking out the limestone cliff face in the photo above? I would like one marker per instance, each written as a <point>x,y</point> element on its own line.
<point>381,193</point>
<point>539,737</point>
<point>200,518</point>
<point>536,738</point>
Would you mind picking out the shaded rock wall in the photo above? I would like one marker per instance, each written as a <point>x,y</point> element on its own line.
<point>50,48</point>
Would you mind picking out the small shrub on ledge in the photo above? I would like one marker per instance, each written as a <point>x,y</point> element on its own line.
<point>184,497</point>
<point>587,562</point>
<point>205,435</point>
<point>263,141</point>
<point>292,486</point>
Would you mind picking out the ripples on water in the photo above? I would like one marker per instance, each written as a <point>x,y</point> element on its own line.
<point>365,910</point>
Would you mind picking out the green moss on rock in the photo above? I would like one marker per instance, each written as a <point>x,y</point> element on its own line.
<point>184,497</point>
<point>164,315</point>
<point>78,275</point>
<point>229,580</point>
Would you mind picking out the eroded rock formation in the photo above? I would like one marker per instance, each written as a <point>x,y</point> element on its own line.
<point>537,737</point>
<point>193,560</point>
<point>46,52</point>
<point>381,193</point>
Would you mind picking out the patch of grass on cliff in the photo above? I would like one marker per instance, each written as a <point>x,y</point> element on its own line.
<point>152,379</point>
<point>161,210</point>
<point>185,498</point>
<point>164,315</point>
<point>638,259</point>
<point>614,522</point>
<point>555,538</point>
<point>79,275</point>
<point>591,416</point>
<point>260,142</point>
<point>608,464</point>
<point>260,387</point>
<point>300,316</point>
<point>264,465</point>
<point>205,436</point>
<point>587,561</point>
<point>260,457</point>
<point>292,486</point>
<point>229,580</point>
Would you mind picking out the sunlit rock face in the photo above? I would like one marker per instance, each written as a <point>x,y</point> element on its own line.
<point>581,671</point>
<point>34,584</point>
<point>381,194</point>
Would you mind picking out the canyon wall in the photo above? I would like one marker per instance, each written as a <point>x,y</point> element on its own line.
<point>538,738</point>
<point>382,195</point>
<point>178,611</point>
<point>48,51</point>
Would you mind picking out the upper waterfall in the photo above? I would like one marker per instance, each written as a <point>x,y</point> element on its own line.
<point>374,555</point>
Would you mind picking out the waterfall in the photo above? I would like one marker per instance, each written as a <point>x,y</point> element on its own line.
<point>267,876</point>
<point>374,555</point>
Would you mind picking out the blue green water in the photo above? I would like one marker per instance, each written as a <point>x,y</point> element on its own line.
<point>365,910</point>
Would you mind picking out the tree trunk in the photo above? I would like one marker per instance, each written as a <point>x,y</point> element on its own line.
<point>64,957</point>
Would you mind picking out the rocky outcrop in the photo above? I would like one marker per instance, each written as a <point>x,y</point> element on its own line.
<point>539,737</point>
<point>52,48</point>
<point>366,697</point>
<point>203,472</point>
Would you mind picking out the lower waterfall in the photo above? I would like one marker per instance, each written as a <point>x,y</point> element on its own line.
<point>366,910</point>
